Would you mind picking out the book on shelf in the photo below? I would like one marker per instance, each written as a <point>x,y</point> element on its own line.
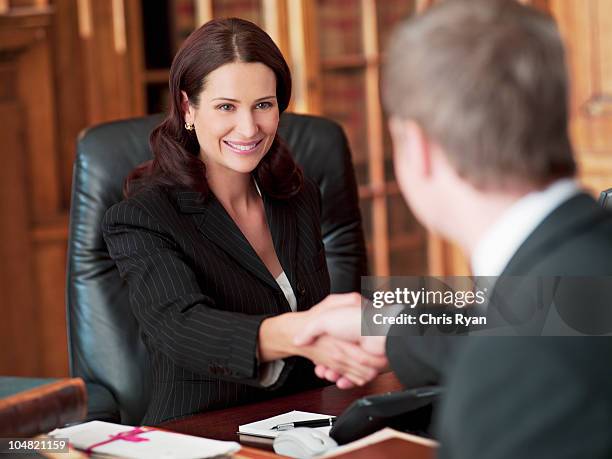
<point>249,10</point>
<point>182,21</point>
<point>339,25</point>
<point>344,102</point>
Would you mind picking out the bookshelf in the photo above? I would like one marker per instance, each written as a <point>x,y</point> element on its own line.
<point>334,50</point>
<point>352,35</point>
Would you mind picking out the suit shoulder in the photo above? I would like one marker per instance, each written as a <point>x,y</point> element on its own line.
<point>587,253</point>
<point>147,202</point>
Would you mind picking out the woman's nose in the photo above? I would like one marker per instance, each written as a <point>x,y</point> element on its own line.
<point>247,125</point>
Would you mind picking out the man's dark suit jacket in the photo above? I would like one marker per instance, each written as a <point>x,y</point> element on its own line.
<point>200,292</point>
<point>541,397</point>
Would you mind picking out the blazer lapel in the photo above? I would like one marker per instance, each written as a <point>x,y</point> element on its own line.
<point>282,222</point>
<point>216,225</point>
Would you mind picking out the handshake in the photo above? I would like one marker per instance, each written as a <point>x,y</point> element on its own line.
<point>330,336</point>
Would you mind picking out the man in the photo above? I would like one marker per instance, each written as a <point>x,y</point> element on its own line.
<point>476,91</point>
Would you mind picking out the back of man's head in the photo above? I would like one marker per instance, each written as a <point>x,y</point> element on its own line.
<point>486,80</point>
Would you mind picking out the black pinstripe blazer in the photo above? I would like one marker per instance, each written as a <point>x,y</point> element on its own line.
<point>200,292</point>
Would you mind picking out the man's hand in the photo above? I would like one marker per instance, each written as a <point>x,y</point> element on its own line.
<point>339,316</point>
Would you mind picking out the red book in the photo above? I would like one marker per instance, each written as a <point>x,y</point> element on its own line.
<point>43,408</point>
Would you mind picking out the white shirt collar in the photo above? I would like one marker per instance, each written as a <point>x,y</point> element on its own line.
<point>257,187</point>
<point>507,234</point>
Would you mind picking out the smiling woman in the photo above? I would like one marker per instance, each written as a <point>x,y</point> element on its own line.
<point>234,124</point>
<point>219,236</point>
<point>228,75</point>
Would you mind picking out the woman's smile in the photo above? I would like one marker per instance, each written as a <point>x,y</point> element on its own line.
<point>243,148</point>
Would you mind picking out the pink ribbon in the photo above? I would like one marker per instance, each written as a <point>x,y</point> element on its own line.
<point>129,435</point>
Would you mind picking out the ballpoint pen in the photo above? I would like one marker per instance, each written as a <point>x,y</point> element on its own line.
<point>312,423</point>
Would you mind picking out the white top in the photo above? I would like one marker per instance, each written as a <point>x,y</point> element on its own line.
<point>270,371</point>
<point>494,251</point>
<point>283,283</point>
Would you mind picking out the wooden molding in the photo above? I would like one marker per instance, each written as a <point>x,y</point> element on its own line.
<point>204,11</point>
<point>85,21</point>
<point>380,218</point>
<point>304,51</point>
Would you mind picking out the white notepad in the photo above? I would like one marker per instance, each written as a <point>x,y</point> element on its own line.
<point>263,428</point>
<point>154,444</point>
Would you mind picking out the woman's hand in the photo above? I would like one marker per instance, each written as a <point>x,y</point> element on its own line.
<point>336,353</point>
<point>339,316</point>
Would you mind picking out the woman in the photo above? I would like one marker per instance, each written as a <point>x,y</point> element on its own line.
<point>219,237</point>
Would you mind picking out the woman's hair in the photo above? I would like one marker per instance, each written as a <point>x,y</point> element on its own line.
<point>176,162</point>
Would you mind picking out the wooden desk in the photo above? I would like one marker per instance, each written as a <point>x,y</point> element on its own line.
<point>223,424</point>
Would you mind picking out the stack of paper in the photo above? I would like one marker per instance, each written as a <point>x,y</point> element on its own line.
<point>141,443</point>
<point>264,427</point>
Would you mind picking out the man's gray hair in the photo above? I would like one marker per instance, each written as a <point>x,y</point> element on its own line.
<point>486,79</point>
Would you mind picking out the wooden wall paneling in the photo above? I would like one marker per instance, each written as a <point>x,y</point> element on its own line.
<point>574,24</point>
<point>204,11</point>
<point>305,62</point>
<point>276,24</point>
<point>86,31</point>
<point>35,89</point>
<point>14,4</point>
<point>50,265</point>
<point>45,189</point>
<point>69,90</point>
<point>19,329</point>
<point>33,337</point>
<point>26,121</point>
<point>600,103</point>
<point>135,50</point>
<point>380,229</point>
<point>49,261</point>
<point>585,27</point>
<point>107,72</point>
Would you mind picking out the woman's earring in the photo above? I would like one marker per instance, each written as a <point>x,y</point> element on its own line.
<point>189,126</point>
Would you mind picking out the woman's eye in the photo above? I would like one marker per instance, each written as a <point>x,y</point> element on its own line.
<point>225,107</point>
<point>264,105</point>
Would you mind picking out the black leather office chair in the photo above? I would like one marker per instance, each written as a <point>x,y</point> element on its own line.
<point>605,199</point>
<point>104,341</point>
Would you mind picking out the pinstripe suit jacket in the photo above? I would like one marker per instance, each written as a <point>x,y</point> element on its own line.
<point>200,292</point>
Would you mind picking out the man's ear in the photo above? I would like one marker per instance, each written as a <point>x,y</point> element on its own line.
<point>420,147</point>
<point>186,108</point>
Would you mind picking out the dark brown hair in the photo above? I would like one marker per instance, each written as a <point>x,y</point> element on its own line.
<point>486,79</point>
<point>176,162</point>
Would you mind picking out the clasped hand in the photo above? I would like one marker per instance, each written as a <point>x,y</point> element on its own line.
<point>332,340</point>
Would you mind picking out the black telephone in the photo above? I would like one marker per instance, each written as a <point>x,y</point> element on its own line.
<point>409,411</point>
